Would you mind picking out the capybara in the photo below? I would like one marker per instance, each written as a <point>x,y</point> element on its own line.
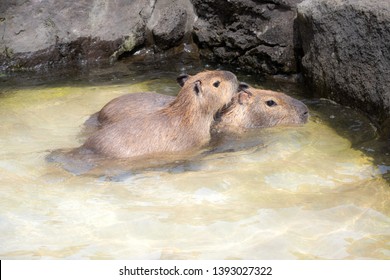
<point>256,108</point>
<point>252,108</point>
<point>184,124</point>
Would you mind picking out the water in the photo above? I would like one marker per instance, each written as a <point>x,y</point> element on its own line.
<point>312,192</point>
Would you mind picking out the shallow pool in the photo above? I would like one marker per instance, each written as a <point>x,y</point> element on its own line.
<point>311,192</point>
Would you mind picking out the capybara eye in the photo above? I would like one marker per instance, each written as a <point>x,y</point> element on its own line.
<point>216,84</point>
<point>271,103</point>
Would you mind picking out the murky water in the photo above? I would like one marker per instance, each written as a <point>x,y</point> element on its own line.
<point>311,192</point>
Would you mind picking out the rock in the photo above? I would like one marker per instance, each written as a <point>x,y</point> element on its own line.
<point>49,32</point>
<point>346,52</point>
<point>170,22</point>
<point>172,28</point>
<point>255,35</point>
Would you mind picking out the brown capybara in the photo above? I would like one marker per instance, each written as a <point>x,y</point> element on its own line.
<point>252,108</point>
<point>184,124</point>
<point>256,108</point>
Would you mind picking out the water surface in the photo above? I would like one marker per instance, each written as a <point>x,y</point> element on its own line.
<point>311,192</point>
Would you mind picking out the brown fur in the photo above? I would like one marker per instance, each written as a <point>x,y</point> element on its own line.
<point>132,104</point>
<point>247,110</point>
<point>256,108</point>
<point>183,124</point>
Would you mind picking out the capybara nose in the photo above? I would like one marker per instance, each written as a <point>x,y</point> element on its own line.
<point>243,86</point>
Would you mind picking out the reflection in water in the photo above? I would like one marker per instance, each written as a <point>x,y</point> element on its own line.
<point>281,193</point>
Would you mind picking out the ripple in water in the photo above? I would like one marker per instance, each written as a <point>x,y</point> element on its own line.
<point>311,192</point>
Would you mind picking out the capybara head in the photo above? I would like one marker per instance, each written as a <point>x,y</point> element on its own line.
<point>255,108</point>
<point>208,91</point>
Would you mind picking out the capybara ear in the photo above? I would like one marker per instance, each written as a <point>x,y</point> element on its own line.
<point>181,80</point>
<point>243,97</point>
<point>198,87</point>
<point>243,86</point>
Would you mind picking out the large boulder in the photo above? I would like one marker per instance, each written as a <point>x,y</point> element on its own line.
<point>171,21</point>
<point>60,32</point>
<point>256,35</point>
<point>346,52</point>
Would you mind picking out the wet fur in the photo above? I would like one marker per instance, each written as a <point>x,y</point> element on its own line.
<point>130,105</point>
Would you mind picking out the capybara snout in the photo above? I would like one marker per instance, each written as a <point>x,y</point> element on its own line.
<point>302,111</point>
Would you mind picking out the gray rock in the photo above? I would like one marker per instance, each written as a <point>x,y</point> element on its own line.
<point>346,47</point>
<point>256,35</point>
<point>170,22</point>
<point>171,29</point>
<point>61,32</point>
<point>49,31</point>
